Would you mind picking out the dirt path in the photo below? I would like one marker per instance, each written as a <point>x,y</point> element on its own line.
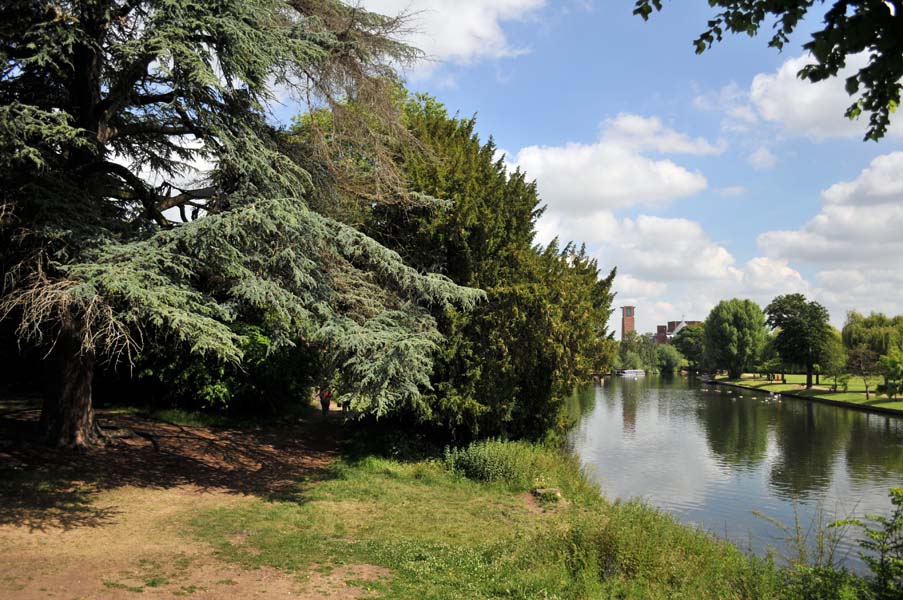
<point>104,524</point>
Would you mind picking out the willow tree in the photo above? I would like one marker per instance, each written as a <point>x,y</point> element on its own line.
<point>144,194</point>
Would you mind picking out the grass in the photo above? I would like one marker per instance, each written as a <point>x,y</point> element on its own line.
<point>855,393</point>
<point>442,535</point>
<point>149,574</point>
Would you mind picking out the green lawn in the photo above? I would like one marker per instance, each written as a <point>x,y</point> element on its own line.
<point>439,535</point>
<point>855,393</point>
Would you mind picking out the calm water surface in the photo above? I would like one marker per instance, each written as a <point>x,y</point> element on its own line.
<point>713,458</point>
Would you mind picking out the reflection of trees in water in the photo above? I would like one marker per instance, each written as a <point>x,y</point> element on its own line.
<point>808,436</point>
<point>736,430</point>
<point>875,450</point>
<point>581,402</point>
<point>631,392</point>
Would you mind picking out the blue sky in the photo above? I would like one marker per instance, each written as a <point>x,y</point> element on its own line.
<point>700,177</point>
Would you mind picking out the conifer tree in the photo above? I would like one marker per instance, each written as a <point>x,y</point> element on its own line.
<point>506,367</point>
<point>144,193</point>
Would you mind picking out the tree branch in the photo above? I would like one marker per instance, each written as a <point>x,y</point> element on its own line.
<point>146,196</point>
<point>186,197</point>
<point>152,127</point>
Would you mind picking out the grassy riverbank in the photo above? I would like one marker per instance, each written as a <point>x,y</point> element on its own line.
<point>208,512</point>
<point>855,393</point>
<point>467,526</point>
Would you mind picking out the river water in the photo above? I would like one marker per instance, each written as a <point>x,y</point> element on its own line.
<point>715,459</point>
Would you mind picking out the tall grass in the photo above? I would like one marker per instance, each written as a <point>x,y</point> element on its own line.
<point>521,466</point>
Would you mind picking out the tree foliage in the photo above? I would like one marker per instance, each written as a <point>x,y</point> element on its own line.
<point>862,362</point>
<point>146,197</point>
<point>734,336</point>
<point>802,330</point>
<point>877,331</point>
<point>638,351</point>
<point>850,27</point>
<point>833,358</point>
<point>690,341</point>
<point>669,358</point>
<point>891,367</point>
<point>508,366</point>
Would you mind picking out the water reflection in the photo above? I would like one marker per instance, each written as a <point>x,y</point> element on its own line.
<point>713,458</point>
<point>737,432</point>
<point>810,438</point>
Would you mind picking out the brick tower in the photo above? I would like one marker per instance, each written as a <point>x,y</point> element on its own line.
<point>627,324</point>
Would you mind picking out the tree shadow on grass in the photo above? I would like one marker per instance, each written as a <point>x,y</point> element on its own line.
<point>43,488</point>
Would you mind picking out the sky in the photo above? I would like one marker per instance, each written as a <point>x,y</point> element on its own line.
<point>701,177</point>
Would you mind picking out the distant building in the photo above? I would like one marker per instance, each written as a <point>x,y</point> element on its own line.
<point>665,333</point>
<point>627,322</point>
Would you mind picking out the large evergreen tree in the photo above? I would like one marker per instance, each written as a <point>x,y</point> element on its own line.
<point>144,194</point>
<point>507,366</point>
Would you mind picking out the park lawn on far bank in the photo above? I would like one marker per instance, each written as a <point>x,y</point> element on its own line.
<point>796,383</point>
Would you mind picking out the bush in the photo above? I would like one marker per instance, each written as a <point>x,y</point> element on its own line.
<point>521,466</point>
<point>823,583</point>
<point>512,463</point>
<point>267,379</point>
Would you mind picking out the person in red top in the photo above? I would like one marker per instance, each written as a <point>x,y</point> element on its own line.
<point>325,399</point>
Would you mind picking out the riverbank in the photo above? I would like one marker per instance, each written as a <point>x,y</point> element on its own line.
<point>795,388</point>
<point>208,512</point>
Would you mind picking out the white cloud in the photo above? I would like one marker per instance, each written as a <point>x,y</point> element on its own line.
<point>772,276</point>
<point>462,32</point>
<point>854,242</point>
<point>630,286</point>
<point>881,182</point>
<point>813,110</point>
<point>762,159</point>
<point>580,179</point>
<point>795,106</point>
<point>662,249</point>
<point>648,133</point>
<point>859,223</point>
<point>733,101</point>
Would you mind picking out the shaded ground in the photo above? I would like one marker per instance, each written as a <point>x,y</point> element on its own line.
<point>103,524</point>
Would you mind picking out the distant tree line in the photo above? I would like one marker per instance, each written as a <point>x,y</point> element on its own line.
<point>793,335</point>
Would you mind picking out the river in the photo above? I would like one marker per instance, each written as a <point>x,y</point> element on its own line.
<point>715,459</point>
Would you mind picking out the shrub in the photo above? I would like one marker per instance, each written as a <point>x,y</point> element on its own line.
<point>521,466</point>
<point>513,463</point>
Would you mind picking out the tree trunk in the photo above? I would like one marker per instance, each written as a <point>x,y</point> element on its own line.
<point>818,378</point>
<point>808,377</point>
<point>67,415</point>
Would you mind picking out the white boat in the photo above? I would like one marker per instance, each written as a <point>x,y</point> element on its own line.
<point>630,373</point>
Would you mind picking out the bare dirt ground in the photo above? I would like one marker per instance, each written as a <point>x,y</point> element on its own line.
<point>101,524</point>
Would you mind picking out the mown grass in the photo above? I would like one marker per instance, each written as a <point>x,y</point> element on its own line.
<point>855,393</point>
<point>443,535</point>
